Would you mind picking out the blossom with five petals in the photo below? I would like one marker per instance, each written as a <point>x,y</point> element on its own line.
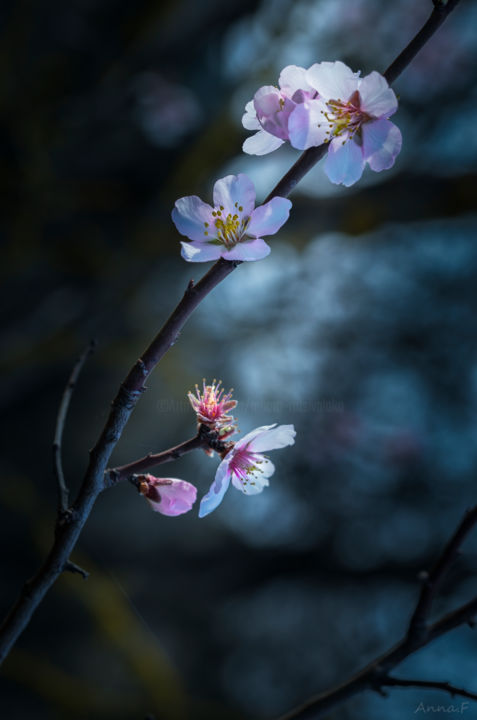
<point>168,496</point>
<point>351,114</point>
<point>232,229</point>
<point>270,109</point>
<point>246,466</point>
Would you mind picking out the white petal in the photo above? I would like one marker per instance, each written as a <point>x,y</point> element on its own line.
<point>190,215</point>
<point>307,125</point>
<point>232,190</point>
<point>344,163</point>
<point>333,80</point>
<point>273,439</point>
<point>217,490</point>
<point>248,250</point>
<point>377,98</point>
<point>382,142</point>
<point>293,78</point>
<point>249,119</point>
<point>268,219</point>
<point>261,143</point>
<point>243,442</point>
<point>200,252</point>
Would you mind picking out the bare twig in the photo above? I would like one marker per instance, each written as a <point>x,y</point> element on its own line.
<point>431,685</point>
<point>204,439</point>
<point>375,675</point>
<point>133,386</point>
<point>433,579</point>
<point>74,568</point>
<point>63,492</point>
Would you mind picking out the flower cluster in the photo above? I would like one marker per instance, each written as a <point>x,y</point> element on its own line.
<point>243,462</point>
<point>328,103</point>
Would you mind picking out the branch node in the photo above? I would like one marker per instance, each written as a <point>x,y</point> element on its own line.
<point>74,568</point>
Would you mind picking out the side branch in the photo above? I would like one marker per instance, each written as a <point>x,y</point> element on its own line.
<point>63,492</point>
<point>430,685</point>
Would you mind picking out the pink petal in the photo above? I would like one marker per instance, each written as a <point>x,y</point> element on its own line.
<point>200,252</point>
<point>177,496</point>
<point>382,142</point>
<point>249,119</point>
<point>261,143</point>
<point>273,109</point>
<point>293,78</point>
<point>269,218</point>
<point>217,490</point>
<point>272,438</point>
<point>307,125</point>
<point>333,80</point>
<point>377,98</point>
<point>264,469</point>
<point>248,250</point>
<point>344,163</point>
<point>190,214</point>
<point>235,189</point>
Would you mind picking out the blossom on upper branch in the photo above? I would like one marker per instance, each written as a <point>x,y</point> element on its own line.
<point>168,496</point>
<point>270,109</point>
<point>232,229</point>
<point>212,408</point>
<point>329,103</point>
<point>246,466</point>
<point>351,114</point>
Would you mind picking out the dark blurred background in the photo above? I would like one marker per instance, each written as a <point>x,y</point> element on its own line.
<point>359,328</point>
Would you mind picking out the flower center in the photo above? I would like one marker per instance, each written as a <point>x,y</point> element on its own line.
<point>344,117</point>
<point>245,465</point>
<point>229,229</point>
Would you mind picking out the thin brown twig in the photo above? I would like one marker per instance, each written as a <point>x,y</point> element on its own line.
<point>429,684</point>
<point>63,492</point>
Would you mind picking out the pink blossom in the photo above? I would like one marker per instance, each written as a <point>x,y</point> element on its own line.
<point>212,408</point>
<point>246,466</point>
<point>351,114</point>
<point>270,109</point>
<point>232,229</point>
<point>168,496</point>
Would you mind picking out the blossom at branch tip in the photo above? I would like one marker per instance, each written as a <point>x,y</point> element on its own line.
<point>232,229</point>
<point>246,466</point>
<point>351,114</point>
<point>168,496</point>
<point>270,109</point>
<point>212,407</point>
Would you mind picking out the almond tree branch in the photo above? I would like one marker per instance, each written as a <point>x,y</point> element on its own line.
<point>375,675</point>
<point>205,438</point>
<point>445,686</point>
<point>63,492</point>
<point>132,388</point>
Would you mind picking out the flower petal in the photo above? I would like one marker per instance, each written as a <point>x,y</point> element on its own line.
<point>333,80</point>
<point>245,441</point>
<point>273,109</point>
<point>190,215</point>
<point>307,126</point>
<point>217,490</point>
<point>248,250</point>
<point>382,142</point>
<point>377,98</point>
<point>200,251</point>
<point>261,143</point>
<point>293,78</point>
<point>344,163</point>
<point>235,189</point>
<point>268,219</point>
<point>273,438</point>
<point>256,480</point>
<point>249,118</point>
<point>177,496</point>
